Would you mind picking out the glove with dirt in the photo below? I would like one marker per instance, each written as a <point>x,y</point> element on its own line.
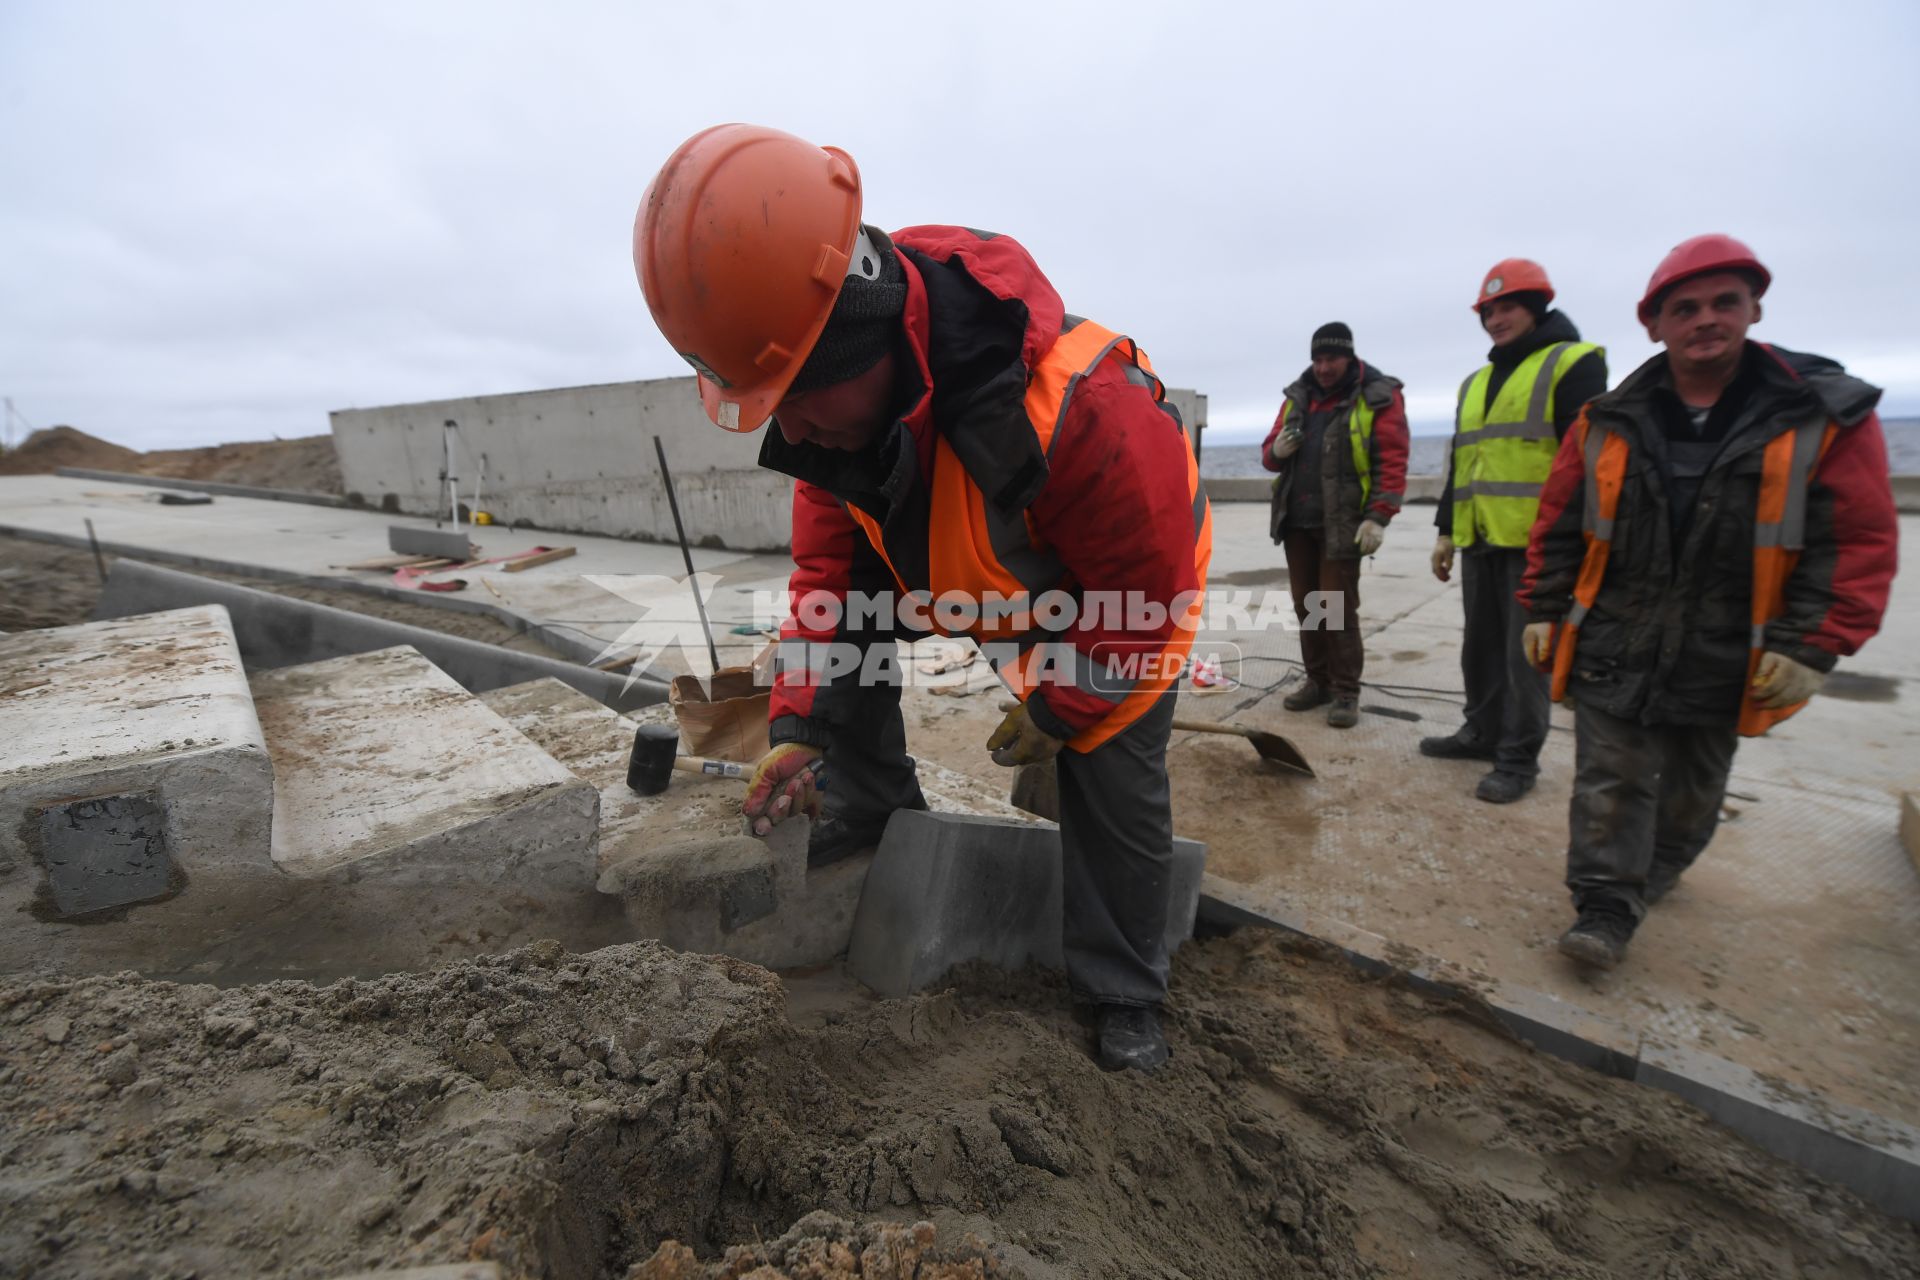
<point>1779,682</point>
<point>784,783</point>
<point>1537,643</point>
<point>1443,558</point>
<point>1369,536</point>
<point>1285,445</point>
<point>1019,740</point>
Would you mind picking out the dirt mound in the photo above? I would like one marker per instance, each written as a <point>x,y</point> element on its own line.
<point>307,464</point>
<point>582,1116</point>
<point>52,447</point>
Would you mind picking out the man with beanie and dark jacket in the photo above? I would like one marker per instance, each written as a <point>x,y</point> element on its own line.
<point>968,459</point>
<point>1339,443</point>
<point>1512,414</point>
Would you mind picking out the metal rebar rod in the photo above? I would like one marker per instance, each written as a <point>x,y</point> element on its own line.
<point>686,553</point>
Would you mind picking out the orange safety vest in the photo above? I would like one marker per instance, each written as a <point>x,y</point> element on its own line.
<point>1779,533</point>
<point>975,548</point>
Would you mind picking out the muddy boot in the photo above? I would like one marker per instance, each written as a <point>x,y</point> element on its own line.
<point>1344,713</point>
<point>1455,746</point>
<point>1501,787</point>
<point>1307,697</point>
<point>1130,1038</point>
<point>1599,937</point>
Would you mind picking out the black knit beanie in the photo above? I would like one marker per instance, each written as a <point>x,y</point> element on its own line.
<point>1334,337</point>
<point>862,326</point>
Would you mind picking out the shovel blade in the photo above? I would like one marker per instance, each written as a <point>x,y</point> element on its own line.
<point>1277,749</point>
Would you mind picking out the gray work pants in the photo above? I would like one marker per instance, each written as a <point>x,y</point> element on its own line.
<point>1507,697</point>
<point>1646,799</point>
<point>1116,837</point>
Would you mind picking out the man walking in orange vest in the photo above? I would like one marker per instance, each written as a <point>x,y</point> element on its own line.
<point>1716,532</point>
<point>974,461</point>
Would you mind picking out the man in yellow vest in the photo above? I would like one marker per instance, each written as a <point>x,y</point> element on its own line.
<point>1717,531</point>
<point>968,459</point>
<point>1511,416</point>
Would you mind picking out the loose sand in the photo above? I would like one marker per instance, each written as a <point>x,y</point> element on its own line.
<point>578,1116</point>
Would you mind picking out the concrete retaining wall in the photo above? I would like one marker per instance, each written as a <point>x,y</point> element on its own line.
<point>578,459</point>
<point>581,459</point>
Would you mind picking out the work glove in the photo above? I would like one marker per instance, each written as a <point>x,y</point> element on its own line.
<point>784,783</point>
<point>1536,642</point>
<point>1443,558</point>
<point>1781,682</point>
<point>1019,740</point>
<point>1285,445</point>
<point>1369,537</point>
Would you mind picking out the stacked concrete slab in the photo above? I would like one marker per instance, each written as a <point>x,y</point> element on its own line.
<point>159,812</point>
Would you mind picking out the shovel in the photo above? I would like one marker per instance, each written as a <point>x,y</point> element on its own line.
<point>1271,746</point>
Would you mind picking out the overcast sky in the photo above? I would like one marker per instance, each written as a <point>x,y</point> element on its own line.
<point>218,222</point>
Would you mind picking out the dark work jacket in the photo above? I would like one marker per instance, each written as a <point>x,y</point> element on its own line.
<point>1668,638</point>
<point>1340,508</point>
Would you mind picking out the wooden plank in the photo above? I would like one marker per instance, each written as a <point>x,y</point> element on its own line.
<point>617,665</point>
<point>539,556</point>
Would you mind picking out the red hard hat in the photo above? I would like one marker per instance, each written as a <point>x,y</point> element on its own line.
<point>741,244</point>
<point>1513,275</point>
<point>1697,257</point>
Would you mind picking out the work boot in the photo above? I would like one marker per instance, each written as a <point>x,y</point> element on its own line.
<point>1131,1038</point>
<point>1599,937</point>
<point>1307,697</point>
<point>1344,713</point>
<point>1455,746</point>
<point>834,838</point>
<point>1501,787</point>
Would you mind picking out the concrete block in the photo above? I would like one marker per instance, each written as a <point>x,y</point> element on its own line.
<point>946,888</point>
<point>280,631</point>
<point>132,759</point>
<point>457,796</point>
<point>412,540</point>
<point>1876,1158</point>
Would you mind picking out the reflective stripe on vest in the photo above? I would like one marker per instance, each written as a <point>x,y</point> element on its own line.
<point>1359,437</point>
<point>1503,452</point>
<point>979,550</point>
<point>1779,533</point>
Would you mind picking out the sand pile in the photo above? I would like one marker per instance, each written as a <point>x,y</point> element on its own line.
<point>53,447</point>
<point>308,464</point>
<point>584,1116</point>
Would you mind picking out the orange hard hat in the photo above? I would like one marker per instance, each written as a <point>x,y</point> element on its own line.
<point>742,243</point>
<point>1513,275</point>
<point>1698,257</point>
